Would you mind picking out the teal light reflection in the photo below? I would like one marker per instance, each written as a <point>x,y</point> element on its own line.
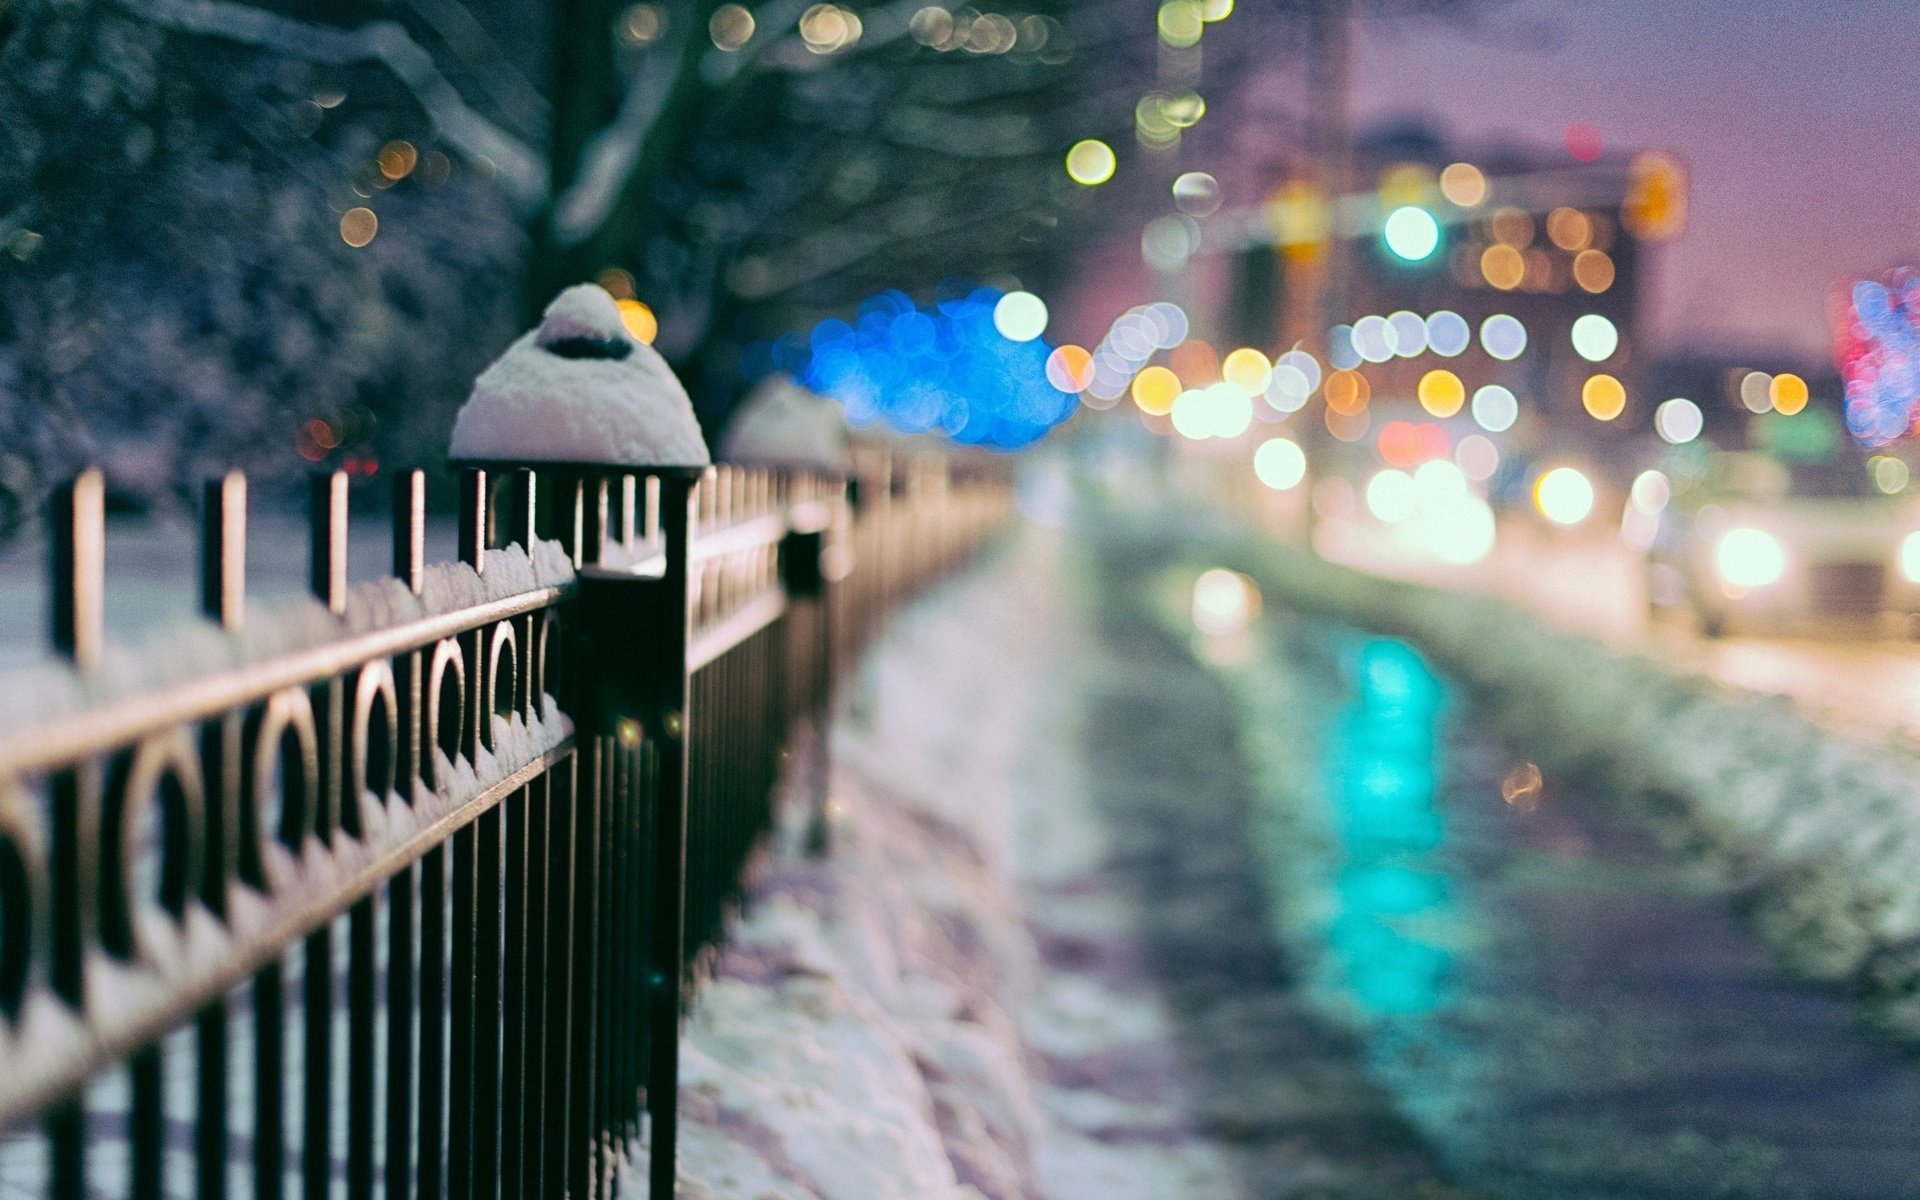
<point>1388,892</point>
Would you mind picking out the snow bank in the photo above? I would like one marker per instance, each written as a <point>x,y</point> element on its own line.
<point>882,1023</point>
<point>1819,832</point>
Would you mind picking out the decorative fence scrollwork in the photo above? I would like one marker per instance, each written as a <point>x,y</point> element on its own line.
<point>401,890</point>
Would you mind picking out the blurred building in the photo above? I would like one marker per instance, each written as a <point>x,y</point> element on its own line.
<point>1495,293</point>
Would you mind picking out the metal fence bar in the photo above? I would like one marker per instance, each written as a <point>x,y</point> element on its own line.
<point>449,945</point>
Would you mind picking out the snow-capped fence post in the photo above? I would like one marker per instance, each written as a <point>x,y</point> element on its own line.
<point>788,428</point>
<point>587,405</point>
<point>409,877</point>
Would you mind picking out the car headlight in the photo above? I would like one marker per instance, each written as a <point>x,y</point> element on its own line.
<point>1751,558</point>
<point>1910,557</point>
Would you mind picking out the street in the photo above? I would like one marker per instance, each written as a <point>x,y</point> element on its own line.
<point>1855,681</point>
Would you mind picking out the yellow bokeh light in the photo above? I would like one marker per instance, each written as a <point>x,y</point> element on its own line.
<point>639,320</point>
<point>1604,397</point>
<point>1091,162</point>
<point>1789,393</point>
<point>1155,389</point>
<point>1300,217</point>
<point>1347,392</point>
<point>1442,393</point>
<point>357,226</point>
<point>1503,267</point>
<point>1215,10</point>
<point>1463,184</point>
<point>1403,184</point>
<point>1247,369</point>
<point>1569,229</point>
<point>1593,271</point>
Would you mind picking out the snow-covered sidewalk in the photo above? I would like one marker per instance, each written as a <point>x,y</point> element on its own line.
<point>981,993</point>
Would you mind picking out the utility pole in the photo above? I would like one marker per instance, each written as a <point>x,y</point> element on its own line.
<point>1323,300</point>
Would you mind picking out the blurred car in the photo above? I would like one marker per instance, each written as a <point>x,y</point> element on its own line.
<point>1763,543</point>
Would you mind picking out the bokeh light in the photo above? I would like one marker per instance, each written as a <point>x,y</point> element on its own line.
<point>1197,194</point>
<point>639,320</point>
<point>1582,140</point>
<point>1477,457</point>
<point>1155,389</point>
<point>1448,333</point>
<point>1750,558</point>
<point>358,226</point>
<point>1593,271</point>
<point>1651,491</point>
<point>1511,227</point>
<point>1195,361</point>
<point>1678,421</point>
<point>1181,23</point>
<point>1341,353</point>
<point>945,368</point>
<point>1409,333</point>
<point>1224,602</point>
<point>1280,463</point>
<point>1020,316</point>
<point>1563,496</point>
<point>1247,369</point>
<point>1890,475</point>
<point>1594,337</point>
<point>1495,408</point>
<point>1400,444</point>
<point>1441,392</point>
<point>1391,496</point>
<point>1070,368</point>
<point>1877,347</point>
<point>1091,162</point>
<point>1347,392</point>
<point>1463,184</point>
<point>1373,338</point>
<point>1788,392</point>
<point>1503,267</point>
<point>1603,396</point>
<point>1756,391</point>
<point>1503,337</point>
<point>826,28</point>
<point>731,26</point>
<point>1569,228</point>
<point>1347,426</point>
<point>1411,233</point>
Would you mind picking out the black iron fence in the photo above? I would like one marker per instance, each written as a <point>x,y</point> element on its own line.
<point>401,891</point>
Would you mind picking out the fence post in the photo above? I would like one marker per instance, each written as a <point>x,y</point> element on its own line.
<point>586,405</point>
<point>803,572</point>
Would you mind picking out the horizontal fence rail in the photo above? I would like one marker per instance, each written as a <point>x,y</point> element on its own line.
<point>402,890</point>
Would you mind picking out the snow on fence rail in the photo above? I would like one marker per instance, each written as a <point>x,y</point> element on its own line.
<point>400,890</point>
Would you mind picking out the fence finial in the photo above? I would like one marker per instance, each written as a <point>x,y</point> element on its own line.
<point>579,390</point>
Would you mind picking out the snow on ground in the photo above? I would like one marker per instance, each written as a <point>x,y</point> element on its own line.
<point>1817,828</point>
<point>882,1023</point>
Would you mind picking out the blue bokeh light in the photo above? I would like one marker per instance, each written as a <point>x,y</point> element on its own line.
<point>943,368</point>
